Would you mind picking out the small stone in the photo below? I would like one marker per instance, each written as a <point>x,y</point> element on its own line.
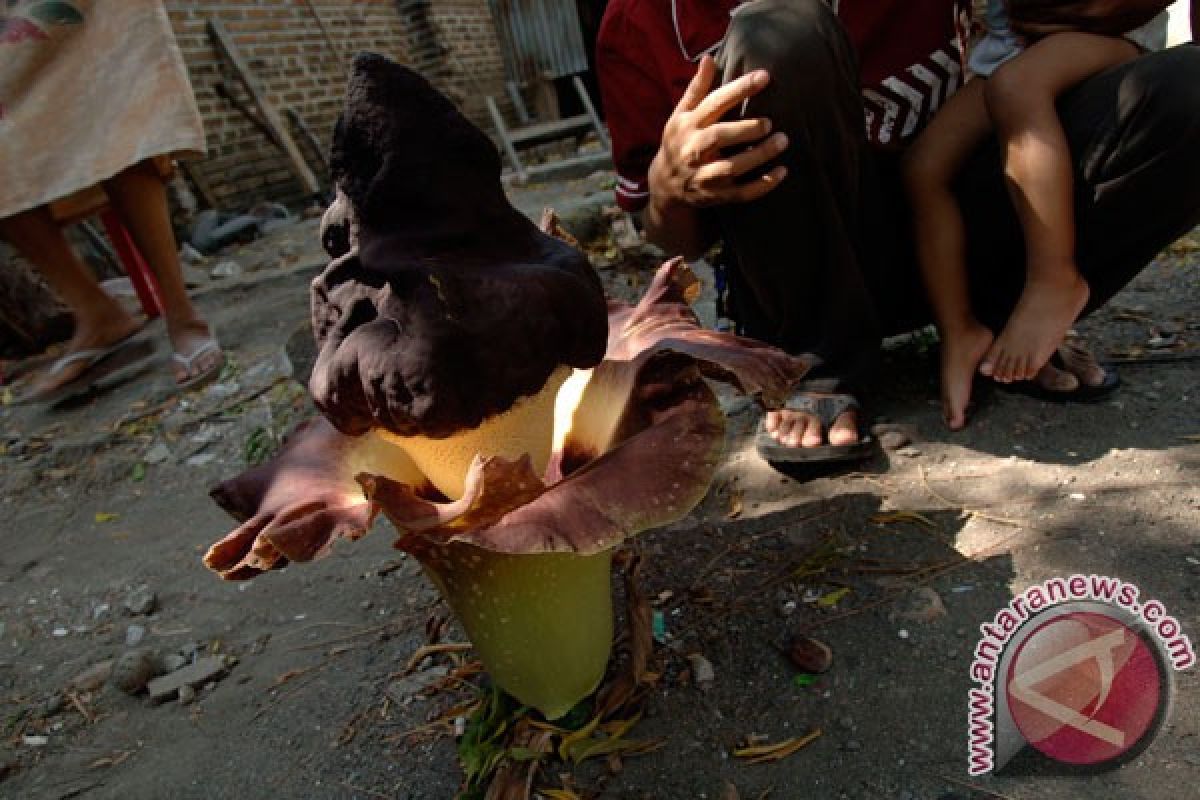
<point>100,612</point>
<point>172,662</point>
<point>157,454</point>
<point>853,745</point>
<point>134,635</point>
<point>190,649</point>
<point>190,255</point>
<point>54,704</point>
<point>59,632</point>
<point>226,269</point>
<point>201,459</point>
<point>141,601</point>
<point>703,674</point>
<point>93,677</point>
<point>923,604</point>
<point>902,633</point>
<point>366,605</point>
<point>809,655</point>
<point>847,723</point>
<point>186,695</point>
<point>201,672</point>
<point>787,608</point>
<point>893,440</point>
<point>134,670</point>
<point>406,689</point>
<point>908,452</point>
<point>35,741</point>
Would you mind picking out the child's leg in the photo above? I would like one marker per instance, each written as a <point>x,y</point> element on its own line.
<point>929,169</point>
<point>1021,99</point>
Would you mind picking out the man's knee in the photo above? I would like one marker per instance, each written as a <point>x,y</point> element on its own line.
<point>782,34</point>
<point>1162,91</point>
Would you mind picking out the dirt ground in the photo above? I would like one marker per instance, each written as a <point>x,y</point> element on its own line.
<point>108,499</point>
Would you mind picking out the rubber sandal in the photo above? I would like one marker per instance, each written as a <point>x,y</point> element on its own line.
<point>104,367</point>
<point>826,408</point>
<point>1083,393</point>
<point>207,347</point>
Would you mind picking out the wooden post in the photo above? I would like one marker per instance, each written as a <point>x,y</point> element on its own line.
<point>227,48</point>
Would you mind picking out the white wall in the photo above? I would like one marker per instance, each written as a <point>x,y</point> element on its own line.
<point>1180,30</point>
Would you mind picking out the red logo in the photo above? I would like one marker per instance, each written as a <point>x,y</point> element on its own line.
<point>1086,689</point>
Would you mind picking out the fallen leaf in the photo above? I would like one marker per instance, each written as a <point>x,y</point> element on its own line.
<point>291,673</point>
<point>582,744</point>
<point>735,505</point>
<point>832,598</point>
<point>809,655</point>
<point>892,517</point>
<point>105,516</point>
<point>138,473</point>
<point>767,753</point>
<point>110,761</point>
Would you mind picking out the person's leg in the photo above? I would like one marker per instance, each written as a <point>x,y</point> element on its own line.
<point>798,278</point>
<point>140,199</point>
<point>1020,99</point>
<point>1134,136</point>
<point>99,320</point>
<point>930,166</point>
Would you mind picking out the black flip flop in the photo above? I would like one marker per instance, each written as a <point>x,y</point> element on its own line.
<point>1083,393</point>
<point>826,408</point>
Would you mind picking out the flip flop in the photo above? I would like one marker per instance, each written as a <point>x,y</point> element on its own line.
<point>826,408</point>
<point>104,367</point>
<point>208,346</point>
<point>1083,393</point>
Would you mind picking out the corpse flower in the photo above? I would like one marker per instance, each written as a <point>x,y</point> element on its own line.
<point>478,391</point>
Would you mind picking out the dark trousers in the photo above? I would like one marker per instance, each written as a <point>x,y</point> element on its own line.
<point>825,263</point>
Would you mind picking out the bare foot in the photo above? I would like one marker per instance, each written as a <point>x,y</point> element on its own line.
<point>196,351</point>
<point>95,336</point>
<point>1038,325</point>
<point>1080,362</point>
<point>961,353</point>
<point>1053,379</point>
<point>802,429</point>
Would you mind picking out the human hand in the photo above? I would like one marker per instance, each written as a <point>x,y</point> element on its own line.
<point>692,166</point>
<point>1037,18</point>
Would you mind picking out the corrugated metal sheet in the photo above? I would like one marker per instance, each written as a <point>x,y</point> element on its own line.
<point>539,38</point>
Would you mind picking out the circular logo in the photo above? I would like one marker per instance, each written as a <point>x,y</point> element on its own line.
<point>1085,688</point>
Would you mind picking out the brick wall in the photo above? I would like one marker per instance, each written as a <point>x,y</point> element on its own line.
<point>474,65</point>
<point>284,45</point>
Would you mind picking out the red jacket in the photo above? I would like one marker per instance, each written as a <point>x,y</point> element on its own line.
<point>910,54</point>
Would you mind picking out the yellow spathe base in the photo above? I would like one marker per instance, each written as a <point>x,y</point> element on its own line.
<point>528,427</point>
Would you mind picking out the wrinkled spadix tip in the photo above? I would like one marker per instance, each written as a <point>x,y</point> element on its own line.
<point>445,305</point>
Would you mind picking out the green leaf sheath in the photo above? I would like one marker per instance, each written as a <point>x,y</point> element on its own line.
<point>542,623</point>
